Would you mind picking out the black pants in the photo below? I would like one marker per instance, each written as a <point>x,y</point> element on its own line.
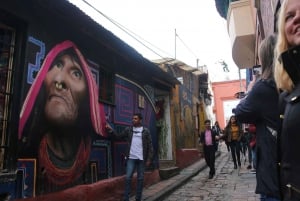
<point>209,155</point>
<point>235,147</point>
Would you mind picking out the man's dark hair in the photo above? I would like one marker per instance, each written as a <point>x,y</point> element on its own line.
<point>140,116</point>
<point>207,121</point>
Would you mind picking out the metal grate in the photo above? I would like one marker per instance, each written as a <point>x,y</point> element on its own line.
<point>7,40</point>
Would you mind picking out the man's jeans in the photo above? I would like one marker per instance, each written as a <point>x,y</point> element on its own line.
<point>140,167</point>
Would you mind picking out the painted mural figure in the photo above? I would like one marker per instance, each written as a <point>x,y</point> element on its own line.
<point>59,115</point>
<point>139,153</point>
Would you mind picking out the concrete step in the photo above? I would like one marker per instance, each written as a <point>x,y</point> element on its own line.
<point>166,173</point>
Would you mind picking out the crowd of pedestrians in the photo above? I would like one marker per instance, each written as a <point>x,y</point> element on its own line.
<point>265,124</point>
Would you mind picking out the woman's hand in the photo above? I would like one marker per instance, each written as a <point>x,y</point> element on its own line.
<point>108,127</point>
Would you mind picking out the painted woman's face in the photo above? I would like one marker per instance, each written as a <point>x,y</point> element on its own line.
<point>66,88</point>
<point>292,22</point>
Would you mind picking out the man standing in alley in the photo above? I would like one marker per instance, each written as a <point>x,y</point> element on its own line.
<point>208,139</point>
<point>139,153</point>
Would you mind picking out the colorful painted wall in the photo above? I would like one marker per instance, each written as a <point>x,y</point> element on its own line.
<point>43,123</point>
<point>185,110</point>
<point>225,91</point>
<point>65,91</point>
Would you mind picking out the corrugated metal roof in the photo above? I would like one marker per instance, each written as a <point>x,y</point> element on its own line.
<point>179,64</point>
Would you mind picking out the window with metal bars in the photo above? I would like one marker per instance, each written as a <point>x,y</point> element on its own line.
<point>7,40</point>
<point>106,86</point>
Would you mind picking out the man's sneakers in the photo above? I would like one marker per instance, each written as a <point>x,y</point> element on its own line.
<point>249,167</point>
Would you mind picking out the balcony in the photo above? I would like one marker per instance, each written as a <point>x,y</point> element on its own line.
<point>241,30</point>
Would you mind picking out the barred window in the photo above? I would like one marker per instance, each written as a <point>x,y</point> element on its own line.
<point>106,86</point>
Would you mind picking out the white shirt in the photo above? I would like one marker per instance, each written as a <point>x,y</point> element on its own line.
<point>136,149</point>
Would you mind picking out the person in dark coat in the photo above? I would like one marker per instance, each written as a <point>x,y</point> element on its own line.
<point>208,140</point>
<point>217,129</point>
<point>260,107</point>
<point>287,77</point>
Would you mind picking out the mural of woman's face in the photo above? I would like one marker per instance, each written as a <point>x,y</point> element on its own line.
<point>66,87</point>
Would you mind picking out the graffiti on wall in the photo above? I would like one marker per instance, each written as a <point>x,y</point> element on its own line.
<point>124,113</point>
<point>35,59</point>
<point>186,109</point>
<point>60,114</point>
<point>129,101</point>
<point>162,129</point>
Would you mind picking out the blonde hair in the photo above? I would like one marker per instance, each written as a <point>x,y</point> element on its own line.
<point>282,79</point>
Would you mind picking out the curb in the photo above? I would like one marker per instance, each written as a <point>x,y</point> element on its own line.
<point>188,173</point>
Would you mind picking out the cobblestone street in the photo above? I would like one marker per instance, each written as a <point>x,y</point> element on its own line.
<point>227,185</point>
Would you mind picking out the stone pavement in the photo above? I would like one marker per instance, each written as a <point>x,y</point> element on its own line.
<point>193,184</point>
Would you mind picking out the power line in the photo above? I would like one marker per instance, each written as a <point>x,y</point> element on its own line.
<point>127,31</point>
<point>186,46</point>
<point>138,38</point>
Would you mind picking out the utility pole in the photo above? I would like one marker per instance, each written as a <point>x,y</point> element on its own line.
<point>175,42</point>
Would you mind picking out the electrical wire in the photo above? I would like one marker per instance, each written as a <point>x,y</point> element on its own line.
<point>127,31</point>
<point>186,46</point>
<point>138,38</point>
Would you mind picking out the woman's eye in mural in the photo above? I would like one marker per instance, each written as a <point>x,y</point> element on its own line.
<point>58,64</point>
<point>77,73</point>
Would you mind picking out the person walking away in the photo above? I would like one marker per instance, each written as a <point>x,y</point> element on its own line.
<point>287,79</point>
<point>252,109</point>
<point>244,144</point>
<point>252,146</point>
<point>216,128</point>
<point>248,137</point>
<point>139,153</point>
<point>233,133</point>
<point>227,143</point>
<point>208,139</point>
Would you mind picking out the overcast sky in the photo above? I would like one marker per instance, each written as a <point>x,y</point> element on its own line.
<point>202,33</point>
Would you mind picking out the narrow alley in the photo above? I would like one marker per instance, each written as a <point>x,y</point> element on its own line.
<point>227,185</point>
